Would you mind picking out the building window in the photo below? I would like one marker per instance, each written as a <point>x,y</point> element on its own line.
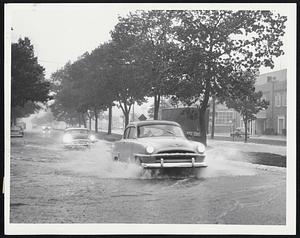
<point>224,117</point>
<point>277,100</point>
<point>266,96</point>
<point>283,99</point>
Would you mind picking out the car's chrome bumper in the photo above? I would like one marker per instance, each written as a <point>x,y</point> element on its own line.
<point>82,144</point>
<point>180,162</point>
<point>170,154</point>
<point>173,165</point>
<point>19,135</point>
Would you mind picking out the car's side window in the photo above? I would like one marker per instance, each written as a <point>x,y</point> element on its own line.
<point>126,133</point>
<point>131,134</point>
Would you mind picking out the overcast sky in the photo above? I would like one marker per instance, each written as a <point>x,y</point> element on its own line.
<point>63,32</point>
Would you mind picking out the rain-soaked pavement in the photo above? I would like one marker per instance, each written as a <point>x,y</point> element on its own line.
<point>52,185</point>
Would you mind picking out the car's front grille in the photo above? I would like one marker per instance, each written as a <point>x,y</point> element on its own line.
<point>174,160</point>
<point>175,151</point>
<point>177,156</point>
<point>80,141</point>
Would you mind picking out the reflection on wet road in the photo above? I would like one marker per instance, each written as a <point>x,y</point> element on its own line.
<point>52,185</point>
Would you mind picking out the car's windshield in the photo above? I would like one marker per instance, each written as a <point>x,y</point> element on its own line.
<point>77,131</point>
<point>158,130</point>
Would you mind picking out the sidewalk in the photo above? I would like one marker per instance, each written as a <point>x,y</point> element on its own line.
<point>259,139</point>
<point>263,137</point>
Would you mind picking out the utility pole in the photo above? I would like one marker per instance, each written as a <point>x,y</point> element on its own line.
<point>273,99</point>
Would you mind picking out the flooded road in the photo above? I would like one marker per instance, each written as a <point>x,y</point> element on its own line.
<point>52,185</point>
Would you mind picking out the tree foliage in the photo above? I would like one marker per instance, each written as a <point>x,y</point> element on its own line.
<point>188,55</point>
<point>28,85</point>
<point>152,46</point>
<point>66,106</point>
<point>127,82</point>
<point>215,44</point>
<point>245,99</point>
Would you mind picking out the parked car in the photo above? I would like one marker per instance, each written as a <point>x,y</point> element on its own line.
<point>158,144</point>
<point>46,129</point>
<point>78,137</point>
<point>239,132</point>
<point>16,131</point>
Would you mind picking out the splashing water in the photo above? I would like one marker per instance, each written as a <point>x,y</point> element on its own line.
<point>219,164</point>
<point>98,162</point>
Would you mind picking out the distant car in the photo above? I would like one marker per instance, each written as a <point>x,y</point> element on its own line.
<point>16,131</point>
<point>46,129</point>
<point>239,132</point>
<point>158,144</point>
<point>78,137</point>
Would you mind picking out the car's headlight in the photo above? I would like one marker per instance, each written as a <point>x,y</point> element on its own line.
<point>200,148</point>
<point>149,149</point>
<point>92,137</point>
<point>67,138</point>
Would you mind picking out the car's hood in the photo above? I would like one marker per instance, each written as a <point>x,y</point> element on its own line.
<point>168,143</point>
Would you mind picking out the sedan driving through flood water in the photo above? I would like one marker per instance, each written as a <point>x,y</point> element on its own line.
<point>159,145</point>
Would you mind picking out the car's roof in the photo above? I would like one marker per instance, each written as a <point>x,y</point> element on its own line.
<point>152,122</point>
<point>75,128</point>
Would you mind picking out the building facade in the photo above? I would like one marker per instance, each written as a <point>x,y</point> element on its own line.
<point>226,119</point>
<point>274,88</point>
<point>270,121</point>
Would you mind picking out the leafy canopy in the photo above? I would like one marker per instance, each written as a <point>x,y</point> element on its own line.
<point>27,76</point>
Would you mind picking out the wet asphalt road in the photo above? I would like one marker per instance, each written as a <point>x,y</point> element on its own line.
<point>52,185</point>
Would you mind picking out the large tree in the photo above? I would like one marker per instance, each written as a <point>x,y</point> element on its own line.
<point>28,85</point>
<point>213,44</point>
<point>67,105</point>
<point>153,48</point>
<point>126,80</point>
<point>245,99</point>
<point>24,111</point>
<point>101,59</point>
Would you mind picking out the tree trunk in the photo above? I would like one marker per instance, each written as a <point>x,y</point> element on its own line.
<point>79,120</point>
<point>213,118</point>
<point>90,123</point>
<point>246,127</point>
<point>109,119</point>
<point>96,121</point>
<point>202,126</point>
<point>156,106</point>
<point>83,120</point>
<point>126,116</point>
